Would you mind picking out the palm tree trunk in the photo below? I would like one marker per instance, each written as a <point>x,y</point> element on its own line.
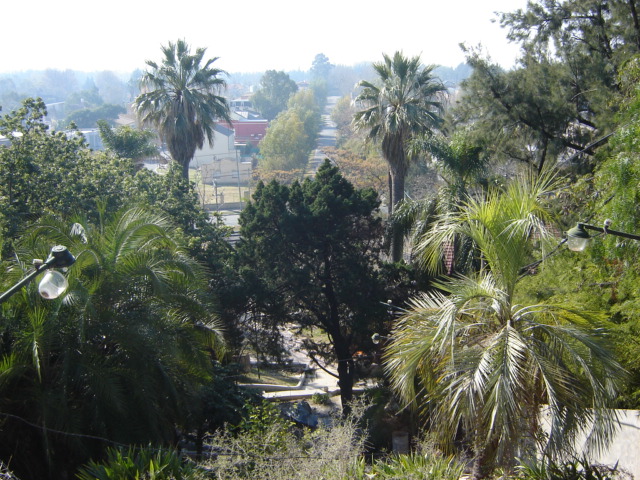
<point>482,460</point>
<point>397,238</point>
<point>185,170</point>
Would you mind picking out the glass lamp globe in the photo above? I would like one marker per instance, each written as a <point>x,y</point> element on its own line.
<point>577,244</point>
<point>577,239</point>
<point>52,285</point>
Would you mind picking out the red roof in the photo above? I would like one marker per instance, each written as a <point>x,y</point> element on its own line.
<point>249,131</point>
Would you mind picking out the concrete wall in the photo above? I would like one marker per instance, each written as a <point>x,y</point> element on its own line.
<point>625,449</point>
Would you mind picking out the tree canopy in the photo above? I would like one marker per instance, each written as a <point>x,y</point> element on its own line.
<point>275,89</point>
<point>311,253</point>
<point>118,356</point>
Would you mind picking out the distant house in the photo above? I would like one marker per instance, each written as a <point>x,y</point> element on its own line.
<point>224,160</point>
<point>242,104</point>
<point>223,147</point>
<point>226,171</point>
<point>91,136</point>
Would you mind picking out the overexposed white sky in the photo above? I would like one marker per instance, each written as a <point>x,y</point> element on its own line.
<point>247,35</point>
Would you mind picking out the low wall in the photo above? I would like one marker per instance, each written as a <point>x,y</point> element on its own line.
<point>625,448</point>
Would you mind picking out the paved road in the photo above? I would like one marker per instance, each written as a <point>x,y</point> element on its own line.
<point>327,136</point>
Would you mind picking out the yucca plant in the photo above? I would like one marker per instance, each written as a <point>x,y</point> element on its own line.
<point>140,463</point>
<point>580,469</point>
<point>417,467</point>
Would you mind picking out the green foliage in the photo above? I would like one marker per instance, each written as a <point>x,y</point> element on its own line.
<point>321,398</point>
<point>273,95</point>
<point>223,401</point>
<point>308,109</point>
<point>182,99</point>
<point>323,453</point>
<point>127,142</point>
<point>430,466</point>
<point>138,463</point>
<point>120,356</point>
<point>89,117</point>
<point>310,253</point>
<point>405,102</point>
<point>605,276</point>
<point>342,115</point>
<point>321,67</point>
<point>292,135</point>
<point>286,144</point>
<point>562,98</point>
<point>88,98</point>
<point>509,111</point>
<point>581,469</point>
<point>265,427</point>
<point>487,362</point>
<point>52,172</point>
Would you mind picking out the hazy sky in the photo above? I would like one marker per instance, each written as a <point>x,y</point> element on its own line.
<point>247,35</point>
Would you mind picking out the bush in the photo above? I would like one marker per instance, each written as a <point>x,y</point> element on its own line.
<point>148,462</point>
<point>323,453</point>
<point>576,470</point>
<point>320,398</point>
<point>412,467</point>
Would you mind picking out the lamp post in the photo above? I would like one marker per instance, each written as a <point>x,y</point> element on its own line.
<point>578,237</point>
<point>53,283</point>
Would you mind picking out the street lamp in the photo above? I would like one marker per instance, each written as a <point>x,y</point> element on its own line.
<point>376,338</point>
<point>578,237</point>
<point>53,283</point>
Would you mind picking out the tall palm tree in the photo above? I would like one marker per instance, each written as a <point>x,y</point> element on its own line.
<point>476,360</point>
<point>181,98</point>
<point>405,102</point>
<point>119,357</point>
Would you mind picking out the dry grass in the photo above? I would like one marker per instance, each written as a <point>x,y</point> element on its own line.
<point>271,375</point>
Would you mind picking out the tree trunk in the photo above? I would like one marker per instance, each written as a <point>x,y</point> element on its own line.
<point>636,22</point>
<point>397,237</point>
<point>185,169</point>
<point>345,372</point>
<point>483,463</point>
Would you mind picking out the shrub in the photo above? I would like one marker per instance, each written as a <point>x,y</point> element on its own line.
<point>320,398</point>
<point>575,470</point>
<point>328,452</point>
<point>416,467</point>
<point>133,463</point>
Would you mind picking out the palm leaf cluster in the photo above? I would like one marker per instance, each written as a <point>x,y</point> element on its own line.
<point>476,361</point>
<point>121,357</point>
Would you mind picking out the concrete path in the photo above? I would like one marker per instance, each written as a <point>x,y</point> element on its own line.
<point>313,380</point>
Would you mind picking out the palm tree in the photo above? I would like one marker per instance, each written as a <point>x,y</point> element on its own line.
<point>407,101</point>
<point>461,163</point>
<point>119,357</point>
<point>181,98</point>
<point>483,363</point>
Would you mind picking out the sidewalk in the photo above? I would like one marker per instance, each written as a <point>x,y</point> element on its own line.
<point>313,380</point>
